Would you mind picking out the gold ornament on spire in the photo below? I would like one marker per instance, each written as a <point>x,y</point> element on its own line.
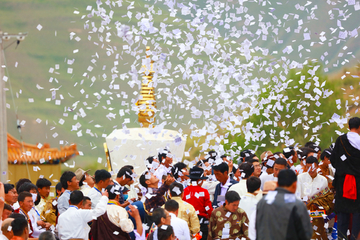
<point>147,101</point>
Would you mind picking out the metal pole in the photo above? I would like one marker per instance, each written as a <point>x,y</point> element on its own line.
<point>3,126</point>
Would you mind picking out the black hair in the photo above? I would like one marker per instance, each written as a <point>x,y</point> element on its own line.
<point>252,160</point>
<point>199,163</point>
<point>150,159</point>
<point>313,146</point>
<point>304,152</point>
<point>18,226</point>
<point>286,178</point>
<point>76,197</point>
<point>326,153</point>
<point>17,215</point>
<point>162,155</point>
<point>8,207</point>
<point>234,169</point>
<point>43,182</point>
<point>177,168</point>
<point>253,184</point>
<point>222,167</point>
<point>248,158</point>
<point>81,182</point>
<point>354,123</point>
<point>311,160</point>
<point>47,235</point>
<point>66,177</point>
<point>289,151</point>
<point>23,195</point>
<point>112,192</point>
<point>129,166</point>
<point>232,196</point>
<point>102,175</point>
<point>212,155</point>
<point>174,185</point>
<point>281,161</point>
<point>164,177</point>
<point>171,205</point>
<point>158,214</point>
<point>124,171</point>
<point>246,168</point>
<point>142,179</point>
<point>8,187</point>
<point>244,154</point>
<point>21,182</point>
<point>86,198</point>
<point>26,187</point>
<point>58,187</point>
<point>165,232</point>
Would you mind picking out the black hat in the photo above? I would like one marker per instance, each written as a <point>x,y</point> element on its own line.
<point>196,173</point>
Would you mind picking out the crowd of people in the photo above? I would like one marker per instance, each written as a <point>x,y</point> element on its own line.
<point>299,193</point>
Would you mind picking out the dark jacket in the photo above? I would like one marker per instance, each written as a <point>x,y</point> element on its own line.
<point>283,217</point>
<point>218,192</point>
<point>351,166</point>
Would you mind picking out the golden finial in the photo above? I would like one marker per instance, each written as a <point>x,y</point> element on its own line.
<point>147,102</point>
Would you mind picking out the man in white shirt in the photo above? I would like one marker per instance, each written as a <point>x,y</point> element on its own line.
<point>166,160</point>
<point>180,226</point>
<point>310,182</point>
<point>123,177</point>
<point>69,183</point>
<point>248,201</point>
<point>102,180</point>
<point>279,164</point>
<point>246,169</point>
<point>73,223</point>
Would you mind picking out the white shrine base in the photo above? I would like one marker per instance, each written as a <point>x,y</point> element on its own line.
<point>133,145</point>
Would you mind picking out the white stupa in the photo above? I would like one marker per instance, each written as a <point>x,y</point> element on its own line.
<point>132,146</point>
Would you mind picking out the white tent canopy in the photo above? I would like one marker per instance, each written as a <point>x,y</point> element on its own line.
<point>133,145</point>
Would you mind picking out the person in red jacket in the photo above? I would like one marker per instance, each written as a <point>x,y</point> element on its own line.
<point>199,197</point>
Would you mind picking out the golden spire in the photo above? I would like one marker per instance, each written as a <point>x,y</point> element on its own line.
<point>147,102</point>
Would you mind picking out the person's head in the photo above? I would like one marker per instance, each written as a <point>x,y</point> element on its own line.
<point>236,172</point>
<point>76,198</point>
<point>161,217</point>
<point>6,228</point>
<point>305,152</point>
<point>7,211</point>
<point>325,156</point>
<point>176,189</point>
<point>290,154</point>
<point>10,193</point>
<point>253,184</point>
<point>102,178</point>
<point>21,182</point>
<point>257,167</point>
<point>312,166</point>
<point>244,154</point>
<point>152,163</point>
<point>113,192</point>
<point>180,171</point>
<point>232,200</point>
<point>25,200</point>
<point>20,228</point>
<point>166,232</point>
<point>47,235</point>
<point>165,158</point>
<point>124,176</point>
<point>28,187</point>
<point>86,203</point>
<point>69,181</point>
<point>354,124</point>
<point>147,179</point>
<point>59,189</point>
<point>211,155</point>
<point>287,179</point>
<point>172,206</point>
<point>197,174</point>
<point>221,172</point>
<point>246,170</point>
<point>280,164</point>
<point>43,186</point>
